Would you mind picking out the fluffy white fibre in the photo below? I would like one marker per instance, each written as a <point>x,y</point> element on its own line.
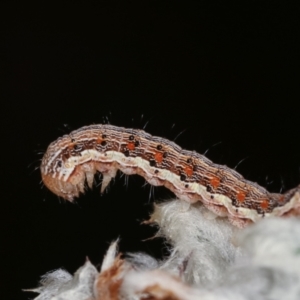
<point>210,259</point>
<point>51,283</point>
<point>60,285</point>
<point>202,242</point>
<point>110,256</point>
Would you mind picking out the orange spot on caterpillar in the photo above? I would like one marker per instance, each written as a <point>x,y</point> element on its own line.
<point>281,199</point>
<point>215,182</point>
<point>189,171</point>
<point>241,196</point>
<point>158,157</point>
<point>130,146</point>
<point>264,204</point>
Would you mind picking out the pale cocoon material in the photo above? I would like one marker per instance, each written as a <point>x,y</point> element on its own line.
<point>210,259</point>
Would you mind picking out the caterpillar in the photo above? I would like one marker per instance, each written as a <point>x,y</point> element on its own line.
<point>73,159</point>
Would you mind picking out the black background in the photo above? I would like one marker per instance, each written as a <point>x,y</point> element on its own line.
<point>219,72</point>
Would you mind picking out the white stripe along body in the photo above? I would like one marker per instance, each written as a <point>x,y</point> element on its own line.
<point>75,158</point>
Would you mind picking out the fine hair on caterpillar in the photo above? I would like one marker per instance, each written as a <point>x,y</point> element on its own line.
<point>73,159</point>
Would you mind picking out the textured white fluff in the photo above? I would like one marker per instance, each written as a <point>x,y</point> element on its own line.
<point>264,264</point>
<point>270,268</point>
<point>60,285</point>
<point>109,256</point>
<point>271,239</point>
<point>142,261</point>
<point>51,282</point>
<point>202,243</point>
<point>209,260</point>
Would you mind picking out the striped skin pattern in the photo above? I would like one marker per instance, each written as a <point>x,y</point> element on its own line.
<point>73,159</point>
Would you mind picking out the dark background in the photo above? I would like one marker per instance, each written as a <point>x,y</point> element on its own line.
<point>219,72</point>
